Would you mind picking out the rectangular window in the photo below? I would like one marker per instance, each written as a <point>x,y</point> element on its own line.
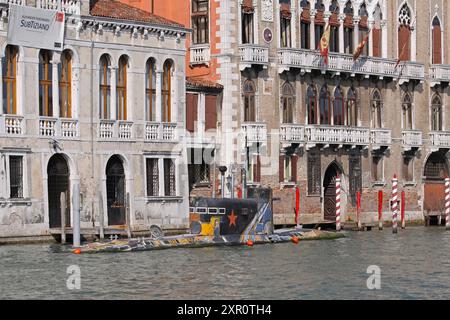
<point>319,30</point>
<point>16,177</point>
<point>247,28</point>
<point>305,34</point>
<point>348,40</point>
<point>355,175</point>
<point>408,169</point>
<point>169,178</point>
<point>334,39</point>
<point>199,169</point>
<point>286,33</point>
<point>377,168</point>
<point>191,111</point>
<point>200,22</point>
<point>210,112</point>
<point>289,168</point>
<point>314,179</point>
<point>152,178</point>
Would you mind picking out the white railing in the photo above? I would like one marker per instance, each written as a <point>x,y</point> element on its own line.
<point>69,128</point>
<point>18,2</point>
<point>155,131</point>
<point>337,135</point>
<point>106,129</point>
<point>339,62</point>
<point>440,139</point>
<point>412,139</point>
<point>381,137</point>
<point>200,54</point>
<point>254,54</point>
<point>125,130</point>
<point>440,73</point>
<point>254,132</point>
<point>67,6</point>
<point>48,127</point>
<point>12,125</point>
<point>292,133</point>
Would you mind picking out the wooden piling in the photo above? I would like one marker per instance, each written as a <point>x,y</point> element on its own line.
<point>447,203</point>
<point>128,215</point>
<point>403,210</point>
<point>101,216</point>
<point>63,217</point>
<point>394,204</point>
<point>76,216</point>
<point>358,210</point>
<point>380,210</point>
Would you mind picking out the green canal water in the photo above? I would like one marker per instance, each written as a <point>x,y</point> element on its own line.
<point>414,264</point>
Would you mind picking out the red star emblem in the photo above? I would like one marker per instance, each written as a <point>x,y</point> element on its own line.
<point>232,218</point>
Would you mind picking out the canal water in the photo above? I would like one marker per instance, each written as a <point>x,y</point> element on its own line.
<point>414,264</point>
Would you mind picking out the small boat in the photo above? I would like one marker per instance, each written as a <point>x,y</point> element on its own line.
<point>217,222</point>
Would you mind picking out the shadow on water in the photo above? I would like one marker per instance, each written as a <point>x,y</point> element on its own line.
<point>414,264</point>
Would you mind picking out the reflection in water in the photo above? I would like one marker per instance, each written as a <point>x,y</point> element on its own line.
<point>414,264</point>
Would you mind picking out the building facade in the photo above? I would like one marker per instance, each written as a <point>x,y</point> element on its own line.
<point>105,114</point>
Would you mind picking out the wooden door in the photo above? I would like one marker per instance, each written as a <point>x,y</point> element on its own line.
<point>115,187</point>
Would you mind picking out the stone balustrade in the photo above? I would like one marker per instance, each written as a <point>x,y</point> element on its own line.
<point>200,54</point>
<point>412,139</point>
<point>252,54</point>
<point>254,132</point>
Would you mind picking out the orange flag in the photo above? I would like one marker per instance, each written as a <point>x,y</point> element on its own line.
<point>360,48</point>
<point>325,44</point>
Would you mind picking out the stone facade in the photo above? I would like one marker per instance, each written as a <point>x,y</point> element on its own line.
<point>87,143</point>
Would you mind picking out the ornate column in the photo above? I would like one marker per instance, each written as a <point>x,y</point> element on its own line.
<point>413,43</point>
<point>341,33</point>
<point>113,104</point>
<point>384,39</point>
<point>158,99</point>
<point>55,87</point>
<point>371,25</point>
<point>312,30</point>
<point>1,86</point>
<point>356,32</point>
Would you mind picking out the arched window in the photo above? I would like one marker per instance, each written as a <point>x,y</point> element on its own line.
<point>200,21</point>
<point>324,106</point>
<point>311,104</point>
<point>9,65</point>
<point>150,90</point>
<point>288,102</point>
<point>285,23</point>
<point>364,27</point>
<point>348,28</point>
<point>121,88</point>
<point>352,108</point>
<point>319,22</point>
<point>334,26</point>
<point>249,101</point>
<point>376,110</point>
<point>437,41</point>
<point>45,84</point>
<point>407,112</point>
<point>167,92</point>
<point>404,33</point>
<point>377,33</point>
<point>305,24</point>
<point>247,21</point>
<point>338,108</point>
<point>436,113</point>
<point>65,85</point>
<point>105,87</point>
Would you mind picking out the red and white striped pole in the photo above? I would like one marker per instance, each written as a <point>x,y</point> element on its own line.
<point>447,203</point>
<point>338,203</point>
<point>394,204</point>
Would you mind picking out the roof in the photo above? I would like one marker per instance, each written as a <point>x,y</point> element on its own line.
<point>203,84</point>
<point>118,10</point>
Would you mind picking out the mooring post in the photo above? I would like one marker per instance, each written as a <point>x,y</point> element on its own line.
<point>403,210</point>
<point>297,206</point>
<point>447,203</point>
<point>338,203</point>
<point>380,210</point>
<point>394,204</point>
<point>63,217</point>
<point>128,215</point>
<point>76,216</point>
<point>101,217</point>
<point>358,209</point>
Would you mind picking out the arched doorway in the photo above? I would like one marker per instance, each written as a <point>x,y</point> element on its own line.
<point>435,171</point>
<point>58,182</point>
<point>115,189</point>
<point>329,192</point>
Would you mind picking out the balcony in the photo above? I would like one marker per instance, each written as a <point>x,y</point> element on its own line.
<point>440,140</point>
<point>161,132</point>
<point>292,133</point>
<point>332,135</point>
<point>307,60</point>
<point>200,54</point>
<point>68,6</point>
<point>254,132</point>
<point>115,130</point>
<point>380,138</point>
<point>12,125</point>
<point>439,73</point>
<point>18,2</point>
<point>58,128</point>
<point>252,54</point>
<point>412,139</point>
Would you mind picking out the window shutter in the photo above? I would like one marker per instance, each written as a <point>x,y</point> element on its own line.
<point>191,111</point>
<point>294,160</point>
<point>404,43</point>
<point>281,168</point>
<point>211,112</point>
<point>376,34</point>
<point>437,45</point>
